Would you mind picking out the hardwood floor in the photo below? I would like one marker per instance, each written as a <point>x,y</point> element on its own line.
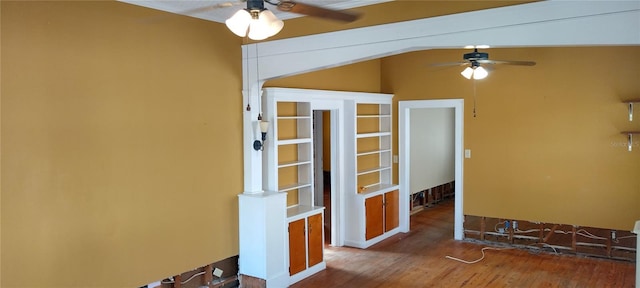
<point>417,259</point>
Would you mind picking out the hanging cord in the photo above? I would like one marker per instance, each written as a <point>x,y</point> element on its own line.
<point>477,260</point>
<point>474,98</point>
<point>258,76</point>
<point>246,41</point>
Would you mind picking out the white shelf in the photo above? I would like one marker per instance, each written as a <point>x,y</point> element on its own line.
<point>294,163</point>
<point>300,211</point>
<point>373,116</point>
<point>373,152</point>
<point>293,117</point>
<point>376,169</point>
<point>377,189</point>
<point>293,141</point>
<point>294,186</point>
<point>374,134</point>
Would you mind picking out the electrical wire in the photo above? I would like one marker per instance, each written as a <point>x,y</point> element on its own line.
<point>630,236</point>
<point>185,281</point>
<point>495,227</point>
<point>585,233</point>
<point>193,276</point>
<point>477,260</point>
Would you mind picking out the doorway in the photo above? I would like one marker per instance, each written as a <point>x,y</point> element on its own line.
<point>328,128</point>
<point>404,140</point>
<point>322,166</point>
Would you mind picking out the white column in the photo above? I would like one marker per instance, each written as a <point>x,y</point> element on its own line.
<point>262,237</point>
<point>262,214</point>
<point>252,90</point>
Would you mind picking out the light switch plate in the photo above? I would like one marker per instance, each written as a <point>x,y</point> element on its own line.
<point>467,153</point>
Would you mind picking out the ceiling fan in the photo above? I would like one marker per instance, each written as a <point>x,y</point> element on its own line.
<point>475,60</point>
<point>259,23</point>
<point>312,10</point>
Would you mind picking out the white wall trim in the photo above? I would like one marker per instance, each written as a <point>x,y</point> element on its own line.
<point>404,118</point>
<point>545,23</point>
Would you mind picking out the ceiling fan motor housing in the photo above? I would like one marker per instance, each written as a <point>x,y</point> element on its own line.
<point>475,55</point>
<point>255,5</point>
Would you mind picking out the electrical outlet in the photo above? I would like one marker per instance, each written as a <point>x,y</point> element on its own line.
<point>613,234</point>
<point>515,225</point>
<point>217,272</point>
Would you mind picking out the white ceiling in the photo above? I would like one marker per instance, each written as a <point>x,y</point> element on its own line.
<point>220,10</point>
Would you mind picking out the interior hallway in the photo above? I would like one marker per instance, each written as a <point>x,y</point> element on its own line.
<point>417,259</point>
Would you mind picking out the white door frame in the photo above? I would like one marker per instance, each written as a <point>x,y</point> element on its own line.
<point>404,113</point>
<point>318,155</point>
<point>336,108</point>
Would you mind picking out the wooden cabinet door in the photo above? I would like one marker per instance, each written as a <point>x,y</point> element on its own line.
<point>373,217</point>
<point>297,249</point>
<point>315,240</point>
<point>391,210</point>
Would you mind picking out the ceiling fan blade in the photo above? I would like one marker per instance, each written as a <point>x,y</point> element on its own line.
<point>212,7</point>
<point>316,11</point>
<point>508,62</point>
<point>450,64</point>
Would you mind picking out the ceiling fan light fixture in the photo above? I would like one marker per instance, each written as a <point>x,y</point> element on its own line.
<point>477,72</point>
<point>467,72</point>
<point>239,22</point>
<point>480,73</point>
<point>259,23</point>
<point>265,25</point>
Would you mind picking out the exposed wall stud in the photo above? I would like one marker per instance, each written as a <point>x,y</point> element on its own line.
<point>573,238</point>
<point>553,230</point>
<point>483,227</point>
<point>177,281</point>
<point>208,275</point>
<point>511,233</point>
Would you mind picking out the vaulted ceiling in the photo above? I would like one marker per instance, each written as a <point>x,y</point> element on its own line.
<point>374,12</point>
<point>220,10</point>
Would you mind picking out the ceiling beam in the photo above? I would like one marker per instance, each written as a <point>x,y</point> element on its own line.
<point>547,23</point>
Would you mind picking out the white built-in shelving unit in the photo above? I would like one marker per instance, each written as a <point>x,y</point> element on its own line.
<point>373,139</point>
<point>373,172</point>
<point>289,159</point>
<point>361,168</point>
<point>288,169</point>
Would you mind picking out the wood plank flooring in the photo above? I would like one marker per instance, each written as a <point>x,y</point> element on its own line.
<point>417,259</point>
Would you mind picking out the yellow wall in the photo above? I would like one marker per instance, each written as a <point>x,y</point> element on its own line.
<point>546,143</point>
<point>326,138</point>
<point>360,77</point>
<point>121,149</point>
<point>116,169</point>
